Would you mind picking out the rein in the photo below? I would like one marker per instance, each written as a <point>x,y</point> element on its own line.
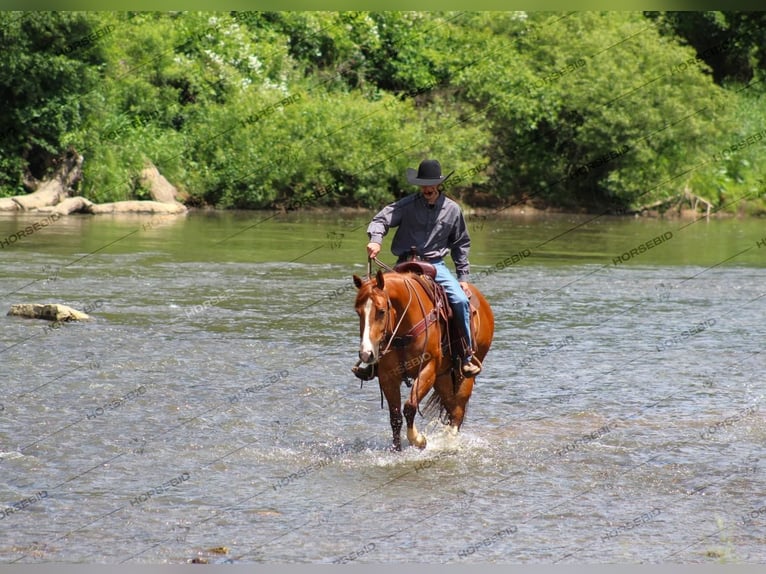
<point>392,337</point>
<point>400,342</point>
<point>419,327</point>
<point>379,263</point>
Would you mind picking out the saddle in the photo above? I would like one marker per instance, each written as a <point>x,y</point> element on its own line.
<point>425,274</point>
<point>417,267</point>
<point>453,341</point>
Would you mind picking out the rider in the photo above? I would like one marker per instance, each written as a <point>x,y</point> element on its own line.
<point>434,225</point>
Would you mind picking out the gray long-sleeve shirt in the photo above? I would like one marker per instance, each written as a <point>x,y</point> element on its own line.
<point>434,231</point>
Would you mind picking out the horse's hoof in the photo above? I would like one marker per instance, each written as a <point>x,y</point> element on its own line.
<point>420,442</point>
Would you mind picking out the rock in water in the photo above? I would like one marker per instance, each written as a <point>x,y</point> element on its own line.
<point>50,312</point>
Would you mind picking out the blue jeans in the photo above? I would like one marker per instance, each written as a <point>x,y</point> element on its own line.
<point>458,301</point>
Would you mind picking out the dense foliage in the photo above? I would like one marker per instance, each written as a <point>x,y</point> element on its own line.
<point>287,109</point>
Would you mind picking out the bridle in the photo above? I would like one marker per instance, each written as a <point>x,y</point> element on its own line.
<point>392,340</point>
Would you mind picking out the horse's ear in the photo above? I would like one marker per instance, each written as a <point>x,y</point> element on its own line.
<point>357,281</point>
<point>379,278</point>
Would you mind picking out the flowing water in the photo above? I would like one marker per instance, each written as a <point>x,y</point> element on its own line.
<point>208,410</point>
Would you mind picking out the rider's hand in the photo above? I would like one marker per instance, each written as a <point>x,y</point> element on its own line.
<point>373,249</point>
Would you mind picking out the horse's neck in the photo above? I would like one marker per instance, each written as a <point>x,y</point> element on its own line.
<point>409,298</point>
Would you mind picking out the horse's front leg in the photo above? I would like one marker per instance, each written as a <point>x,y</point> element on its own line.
<point>420,387</point>
<point>393,396</point>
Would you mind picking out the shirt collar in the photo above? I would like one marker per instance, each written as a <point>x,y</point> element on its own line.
<point>437,204</point>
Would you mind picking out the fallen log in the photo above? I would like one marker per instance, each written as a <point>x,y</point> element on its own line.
<point>55,189</point>
<point>77,204</point>
<point>677,201</point>
<point>9,204</point>
<point>52,195</point>
<point>137,206</point>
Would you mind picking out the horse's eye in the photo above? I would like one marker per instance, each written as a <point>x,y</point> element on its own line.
<point>381,313</point>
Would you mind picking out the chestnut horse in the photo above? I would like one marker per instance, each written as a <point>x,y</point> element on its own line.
<point>402,335</point>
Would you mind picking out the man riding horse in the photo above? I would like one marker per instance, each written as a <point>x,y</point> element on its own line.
<point>429,225</point>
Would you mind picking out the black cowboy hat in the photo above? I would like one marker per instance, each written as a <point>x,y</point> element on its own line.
<point>429,172</point>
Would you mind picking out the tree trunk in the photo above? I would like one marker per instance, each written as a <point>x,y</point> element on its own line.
<point>678,200</point>
<point>52,195</point>
<point>137,207</point>
<point>159,188</point>
<point>55,189</point>
<point>71,205</point>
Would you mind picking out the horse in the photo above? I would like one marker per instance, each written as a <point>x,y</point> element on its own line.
<point>403,335</point>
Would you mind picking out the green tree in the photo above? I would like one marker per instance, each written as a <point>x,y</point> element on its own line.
<point>260,109</point>
<point>48,69</point>
<point>592,109</point>
<point>733,44</point>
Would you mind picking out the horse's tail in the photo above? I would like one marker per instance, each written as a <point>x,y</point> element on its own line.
<point>434,407</point>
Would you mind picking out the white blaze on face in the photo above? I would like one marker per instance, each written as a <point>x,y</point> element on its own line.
<point>366,350</point>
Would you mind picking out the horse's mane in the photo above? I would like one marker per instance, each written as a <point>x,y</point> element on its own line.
<point>369,283</point>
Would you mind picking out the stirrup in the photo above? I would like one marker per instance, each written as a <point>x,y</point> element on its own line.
<point>365,373</point>
<point>471,368</point>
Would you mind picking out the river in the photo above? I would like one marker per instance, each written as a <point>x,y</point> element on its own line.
<point>208,410</point>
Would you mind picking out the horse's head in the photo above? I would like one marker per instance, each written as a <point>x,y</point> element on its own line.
<point>372,306</point>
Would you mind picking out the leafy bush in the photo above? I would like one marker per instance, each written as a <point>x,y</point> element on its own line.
<point>47,70</point>
<point>296,109</point>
